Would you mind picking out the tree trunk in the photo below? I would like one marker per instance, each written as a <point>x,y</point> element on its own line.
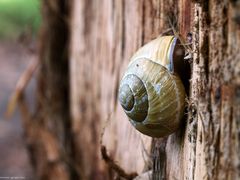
<point>48,130</point>
<point>89,137</point>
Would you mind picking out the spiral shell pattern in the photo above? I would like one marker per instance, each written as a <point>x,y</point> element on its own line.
<point>151,94</point>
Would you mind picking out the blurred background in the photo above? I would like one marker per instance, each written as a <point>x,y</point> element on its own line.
<point>19,26</point>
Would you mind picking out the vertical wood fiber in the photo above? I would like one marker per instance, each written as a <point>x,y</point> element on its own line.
<point>104,35</point>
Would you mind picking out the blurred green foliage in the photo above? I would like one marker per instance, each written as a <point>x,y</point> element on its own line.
<point>19,16</point>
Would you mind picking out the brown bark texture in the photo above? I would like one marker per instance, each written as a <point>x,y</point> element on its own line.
<point>48,129</point>
<point>81,131</point>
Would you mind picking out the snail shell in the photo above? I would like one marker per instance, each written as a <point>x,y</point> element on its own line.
<point>151,93</point>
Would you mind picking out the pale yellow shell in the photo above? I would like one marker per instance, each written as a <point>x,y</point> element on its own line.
<point>151,94</point>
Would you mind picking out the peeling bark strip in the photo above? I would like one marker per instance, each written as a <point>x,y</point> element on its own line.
<point>115,167</point>
<point>159,159</point>
<point>104,35</point>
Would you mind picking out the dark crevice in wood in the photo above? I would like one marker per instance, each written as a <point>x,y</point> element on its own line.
<point>204,49</point>
<point>116,87</point>
<point>159,158</point>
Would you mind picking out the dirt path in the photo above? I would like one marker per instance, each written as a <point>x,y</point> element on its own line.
<point>14,161</point>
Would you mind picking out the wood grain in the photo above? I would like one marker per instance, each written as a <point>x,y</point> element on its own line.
<point>104,34</point>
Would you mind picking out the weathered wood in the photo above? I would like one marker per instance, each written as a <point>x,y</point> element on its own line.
<point>104,35</point>
<point>102,44</point>
<point>111,32</point>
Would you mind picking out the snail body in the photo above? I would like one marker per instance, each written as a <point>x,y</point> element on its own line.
<point>151,92</point>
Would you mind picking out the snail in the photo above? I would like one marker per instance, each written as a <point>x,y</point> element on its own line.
<point>151,91</point>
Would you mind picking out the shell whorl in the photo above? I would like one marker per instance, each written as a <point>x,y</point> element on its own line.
<point>132,87</point>
<point>150,93</point>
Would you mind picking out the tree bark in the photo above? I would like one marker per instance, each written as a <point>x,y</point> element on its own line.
<point>48,130</point>
<point>91,129</point>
